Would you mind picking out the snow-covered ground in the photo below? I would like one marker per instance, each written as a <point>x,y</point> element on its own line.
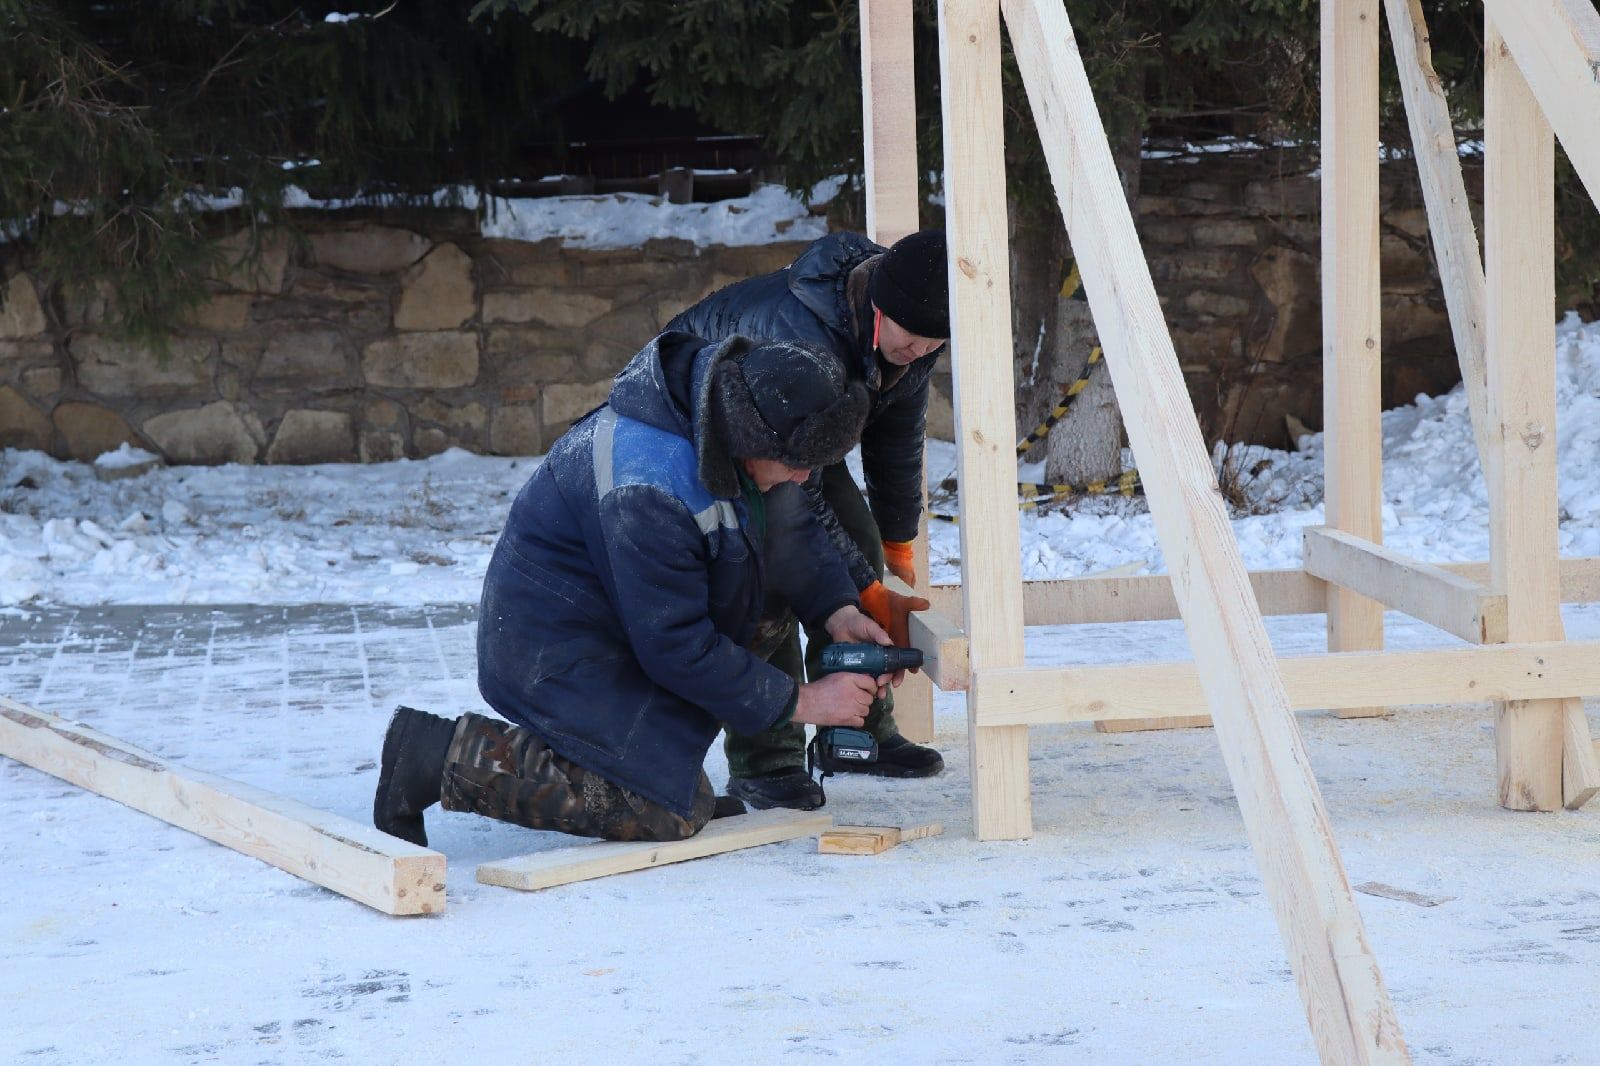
<point>1130,929</point>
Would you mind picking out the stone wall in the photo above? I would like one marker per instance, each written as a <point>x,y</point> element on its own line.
<point>371,341</point>
<point>361,341</point>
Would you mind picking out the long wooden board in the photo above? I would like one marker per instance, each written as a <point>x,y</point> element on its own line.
<point>1351,1018</point>
<point>1541,670</point>
<point>584,862</point>
<point>352,859</point>
<point>1444,193</point>
<point>1149,598</point>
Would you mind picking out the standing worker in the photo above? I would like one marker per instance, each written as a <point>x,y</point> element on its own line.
<point>622,600</point>
<point>886,315</point>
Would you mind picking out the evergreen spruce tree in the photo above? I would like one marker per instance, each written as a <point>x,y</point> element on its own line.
<point>118,116</point>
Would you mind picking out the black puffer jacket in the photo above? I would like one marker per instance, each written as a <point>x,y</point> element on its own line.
<point>814,300</point>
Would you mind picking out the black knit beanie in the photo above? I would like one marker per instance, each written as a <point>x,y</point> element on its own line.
<point>789,401</point>
<point>910,285</point>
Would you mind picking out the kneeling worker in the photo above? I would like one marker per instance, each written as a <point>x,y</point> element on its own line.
<point>622,600</point>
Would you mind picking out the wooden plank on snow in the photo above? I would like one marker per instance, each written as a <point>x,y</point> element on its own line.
<point>602,858</point>
<point>352,859</point>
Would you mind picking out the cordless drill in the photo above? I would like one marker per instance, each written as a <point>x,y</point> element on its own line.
<point>836,744</point>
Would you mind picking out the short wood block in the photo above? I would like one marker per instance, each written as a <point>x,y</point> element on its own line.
<point>1140,725</point>
<point>352,859</point>
<point>602,858</point>
<point>872,839</point>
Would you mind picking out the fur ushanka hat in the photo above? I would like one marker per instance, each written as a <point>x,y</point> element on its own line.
<point>789,401</point>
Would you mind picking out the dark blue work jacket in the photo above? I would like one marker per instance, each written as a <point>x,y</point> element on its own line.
<point>620,599</point>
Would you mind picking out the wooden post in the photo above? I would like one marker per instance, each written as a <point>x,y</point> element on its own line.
<point>889,127</point>
<point>1351,367</point>
<point>1556,46</point>
<point>1347,1005</point>
<point>1519,246</point>
<point>889,119</point>
<point>986,425</point>
<point>1455,238</point>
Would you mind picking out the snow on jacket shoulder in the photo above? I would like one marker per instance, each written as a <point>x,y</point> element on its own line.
<point>621,594</point>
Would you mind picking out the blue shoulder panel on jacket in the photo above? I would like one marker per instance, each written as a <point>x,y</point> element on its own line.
<point>630,452</point>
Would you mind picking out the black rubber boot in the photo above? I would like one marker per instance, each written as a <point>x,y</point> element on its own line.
<point>790,787</point>
<point>897,757</point>
<point>729,807</point>
<point>412,772</point>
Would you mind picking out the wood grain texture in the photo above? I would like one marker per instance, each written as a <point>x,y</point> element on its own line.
<point>1426,592</point>
<point>1556,45</point>
<point>872,839</point>
<point>1149,597</point>
<point>986,424</point>
<point>1537,670</point>
<point>1351,352</point>
<point>1444,194</point>
<point>603,858</point>
<point>1519,250</point>
<point>889,119</point>
<point>1348,1008</point>
<point>352,859</point>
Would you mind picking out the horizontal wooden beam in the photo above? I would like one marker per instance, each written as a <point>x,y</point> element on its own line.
<point>352,859</point>
<point>602,858</point>
<point>1542,670</point>
<point>941,641</point>
<point>1426,592</point>
<point>1148,597</point>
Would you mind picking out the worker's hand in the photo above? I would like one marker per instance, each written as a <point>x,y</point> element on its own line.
<point>890,610</point>
<point>838,699</point>
<point>899,558</point>
<point>848,625</point>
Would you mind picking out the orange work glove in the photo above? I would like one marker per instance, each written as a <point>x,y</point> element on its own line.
<point>889,610</point>
<point>899,560</point>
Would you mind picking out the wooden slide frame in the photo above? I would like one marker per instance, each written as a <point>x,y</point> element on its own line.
<point>1508,608</point>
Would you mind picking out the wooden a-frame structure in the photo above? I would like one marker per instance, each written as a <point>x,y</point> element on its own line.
<point>1542,77</point>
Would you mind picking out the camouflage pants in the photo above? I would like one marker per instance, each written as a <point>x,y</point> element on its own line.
<point>506,772</point>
